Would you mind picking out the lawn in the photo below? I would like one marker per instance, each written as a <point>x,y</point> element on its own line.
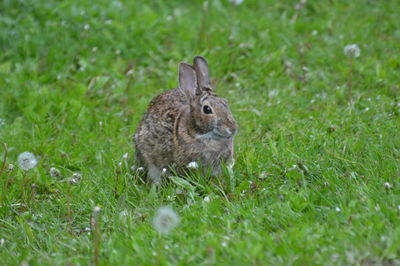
<point>317,173</point>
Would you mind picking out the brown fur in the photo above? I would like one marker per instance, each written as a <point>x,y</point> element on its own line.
<point>175,130</point>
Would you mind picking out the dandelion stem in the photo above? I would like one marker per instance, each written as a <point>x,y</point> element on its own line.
<point>95,223</point>
<point>201,32</point>
<point>350,81</point>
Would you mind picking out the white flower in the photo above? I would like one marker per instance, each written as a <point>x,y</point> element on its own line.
<point>140,169</point>
<point>338,209</point>
<point>86,27</point>
<point>26,161</point>
<point>165,220</point>
<point>125,156</point>
<point>2,241</point>
<point>54,172</point>
<point>207,199</point>
<point>236,2</point>
<point>94,49</point>
<point>352,50</point>
<point>117,52</point>
<point>193,165</point>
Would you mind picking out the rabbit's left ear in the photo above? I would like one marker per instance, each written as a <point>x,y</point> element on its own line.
<point>201,67</point>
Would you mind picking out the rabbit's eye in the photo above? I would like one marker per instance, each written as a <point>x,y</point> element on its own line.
<point>207,109</point>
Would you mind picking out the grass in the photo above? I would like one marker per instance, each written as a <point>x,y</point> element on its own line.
<point>316,179</point>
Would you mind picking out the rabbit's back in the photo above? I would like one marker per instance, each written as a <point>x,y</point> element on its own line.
<point>154,136</point>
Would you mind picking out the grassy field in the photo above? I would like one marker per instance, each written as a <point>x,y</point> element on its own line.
<point>317,177</point>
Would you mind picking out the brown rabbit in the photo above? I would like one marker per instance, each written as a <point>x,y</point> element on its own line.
<point>187,124</point>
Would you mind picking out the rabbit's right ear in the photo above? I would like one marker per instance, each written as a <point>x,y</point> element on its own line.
<point>187,80</point>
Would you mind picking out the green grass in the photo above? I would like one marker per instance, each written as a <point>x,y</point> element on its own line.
<point>310,173</point>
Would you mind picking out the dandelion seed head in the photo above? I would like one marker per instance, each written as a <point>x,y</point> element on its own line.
<point>54,172</point>
<point>165,220</point>
<point>337,209</point>
<point>10,167</point>
<point>352,50</point>
<point>118,51</point>
<point>130,72</point>
<point>236,2</point>
<point>94,49</point>
<point>26,161</point>
<point>96,210</point>
<point>86,27</point>
<point>193,165</point>
<point>387,185</point>
<point>207,199</point>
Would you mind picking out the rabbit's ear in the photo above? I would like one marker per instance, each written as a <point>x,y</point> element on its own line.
<point>187,80</point>
<point>201,67</point>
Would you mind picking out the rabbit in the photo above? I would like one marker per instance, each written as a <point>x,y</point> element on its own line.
<point>186,124</point>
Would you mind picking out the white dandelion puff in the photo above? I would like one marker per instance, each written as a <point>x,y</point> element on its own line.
<point>75,179</point>
<point>125,156</point>
<point>352,50</point>
<point>118,52</point>
<point>337,209</point>
<point>26,161</point>
<point>96,211</point>
<point>207,199</point>
<point>387,185</point>
<point>130,72</point>
<point>10,167</point>
<point>2,241</point>
<point>86,27</point>
<point>54,172</point>
<point>164,171</point>
<point>236,2</point>
<point>193,165</point>
<point>94,49</point>
<point>165,220</point>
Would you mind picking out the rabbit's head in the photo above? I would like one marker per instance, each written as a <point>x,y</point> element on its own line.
<point>210,116</point>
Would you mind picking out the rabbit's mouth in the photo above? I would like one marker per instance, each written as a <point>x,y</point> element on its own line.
<point>218,136</point>
<point>215,135</point>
